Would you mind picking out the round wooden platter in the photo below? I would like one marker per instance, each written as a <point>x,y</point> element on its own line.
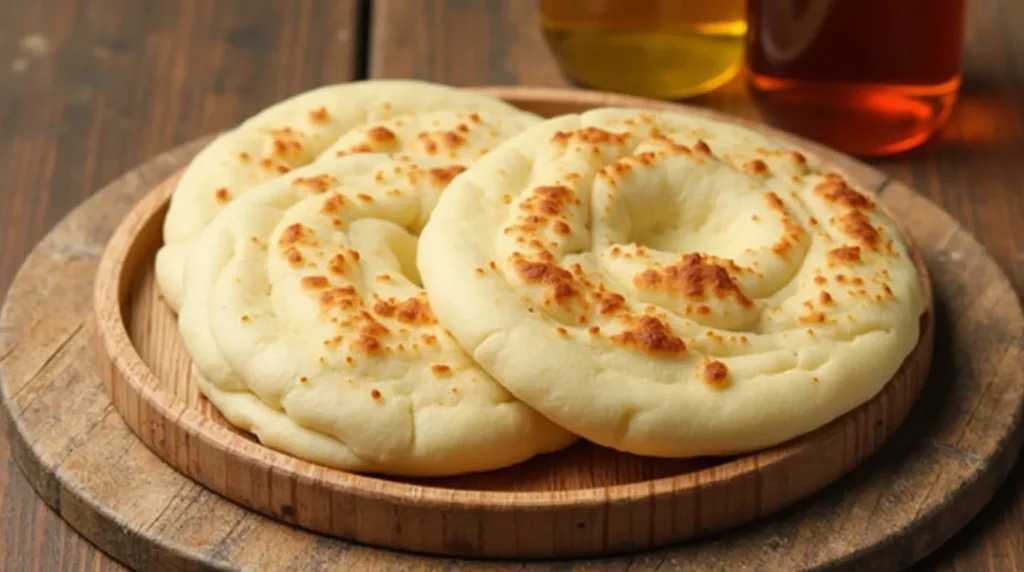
<point>585,500</point>
<point>936,470</point>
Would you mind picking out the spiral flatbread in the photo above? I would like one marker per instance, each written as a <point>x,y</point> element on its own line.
<point>306,326</point>
<point>669,285</point>
<point>394,117</point>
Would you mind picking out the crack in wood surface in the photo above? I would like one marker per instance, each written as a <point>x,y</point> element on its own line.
<point>61,346</point>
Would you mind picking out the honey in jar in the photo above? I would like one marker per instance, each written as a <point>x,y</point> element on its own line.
<point>656,48</point>
<point>868,77</point>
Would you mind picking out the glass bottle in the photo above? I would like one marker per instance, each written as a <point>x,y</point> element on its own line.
<point>868,77</point>
<point>656,48</point>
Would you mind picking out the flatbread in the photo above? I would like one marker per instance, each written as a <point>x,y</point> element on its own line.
<point>306,325</point>
<point>376,116</point>
<point>669,285</point>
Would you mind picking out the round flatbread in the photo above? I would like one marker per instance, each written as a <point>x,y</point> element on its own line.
<point>376,116</point>
<point>670,285</point>
<point>306,324</point>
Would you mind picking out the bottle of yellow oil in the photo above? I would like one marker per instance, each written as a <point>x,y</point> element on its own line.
<point>666,49</point>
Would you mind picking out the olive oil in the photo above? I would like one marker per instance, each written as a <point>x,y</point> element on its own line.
<point>656,48</point>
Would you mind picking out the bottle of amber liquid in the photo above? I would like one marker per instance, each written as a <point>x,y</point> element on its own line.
<point>868,77</point>
<point>656,48</point>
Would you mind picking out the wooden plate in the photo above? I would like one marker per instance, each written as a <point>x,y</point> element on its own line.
<point>582,501</point>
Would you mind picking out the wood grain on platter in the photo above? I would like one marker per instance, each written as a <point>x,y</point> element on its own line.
<point>934,473</point>
<point>583,501</point>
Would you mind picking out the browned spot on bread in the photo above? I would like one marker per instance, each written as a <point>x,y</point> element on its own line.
<point>333,342</point>
<point>549,200</point>
<point>284,144</point>
<point>344,297</point>
<point>222,195</point>
<point>559,282</point>
<point>442,176</point>
<point>358,148</point>
<point>244,157</point>
<point>293,256</point>
<point>440,369</point>
<point>715,373</point>
<point>315,282</point>
<point>283,148</point>
<point>590,136</point>
<point>415,311</point>
<point>844,255</point>
<point>812,317</point>
<point>382,308</point>
<point>452,140</point>
<point>756,167</point>
<point>372,327</point>
<point>834,190</point>
<point>696,277</point>
<point>819,280</point>
<point>316,184</point>
<point>370,335</point>
<point>651,336</point>
<point>375,394</point>
<point>774,202</point>
<point>824,298</point>
<point>791,232</point>
<point>856,225</point>
<point>319,115</point>
<point>647,158</point>
<point>702,147</point>
<point>611,304</point>
<point>296,234</point>
<point>381,137</point>
<point>337,264</point>
<point>333,204</point>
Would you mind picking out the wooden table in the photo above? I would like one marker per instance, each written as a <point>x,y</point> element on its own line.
<point>90,88</point>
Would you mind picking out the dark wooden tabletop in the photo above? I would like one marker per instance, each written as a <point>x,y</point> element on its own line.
<point>90,88</point>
